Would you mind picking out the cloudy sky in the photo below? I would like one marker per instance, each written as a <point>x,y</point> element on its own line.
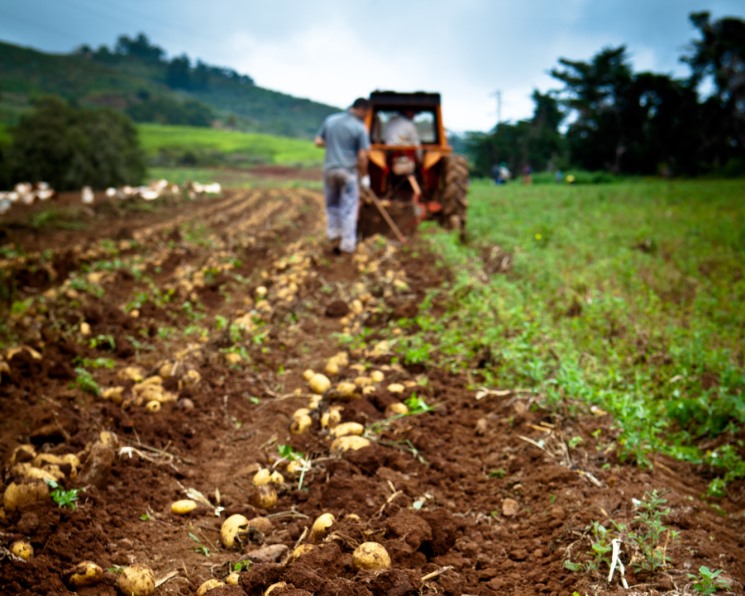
<point>484,56</point>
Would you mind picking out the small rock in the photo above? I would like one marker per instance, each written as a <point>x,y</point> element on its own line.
<point>510,507</point>
<point>268,554</point>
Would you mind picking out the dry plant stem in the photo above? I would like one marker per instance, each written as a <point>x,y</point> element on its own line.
<point>168,577</point>
<point>437,573</point>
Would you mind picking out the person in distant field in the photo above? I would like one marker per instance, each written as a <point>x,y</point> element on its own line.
<point>400,130</point>
<point>346,141</point>
<point>527,174</point>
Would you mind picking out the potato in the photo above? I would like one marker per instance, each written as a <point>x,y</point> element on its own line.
<point>377,376</point>
<point>262,477</point>
<point>277,478</point>
<point>265,497</point>
<point>262,524</point>
<point>22,453</point>
<point>319,383</point>
<point>210,584</point>
<point>372,556</point>
<point>348,428</point>
<point>397,409</point>
<point>346,390</point>
<point>233,578</point>
<point>22,549</point>
<point>183,507</point>
<point>321,526</point>
<point>233,528</point>
<point>300,412</point>
<point>18,496</point>
<point>330,419</point>
<point>85,573</point>
<point>85,329</point>
<point>314,401</point>
<point>137,580</point>
<point>308,374</point>
<point>114,394</point>
<point>273,587</point>
<point>261,291</point>
<point>349,443</point>
<point>153,406</point>
<point>396,388</point>
<point>301,550</point>
<point>332,368</point>
<point>301,425</point>
<point>294,467</point>
<point>363,381</point>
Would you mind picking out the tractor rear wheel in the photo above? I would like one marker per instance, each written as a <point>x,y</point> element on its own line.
<point>453,194</point>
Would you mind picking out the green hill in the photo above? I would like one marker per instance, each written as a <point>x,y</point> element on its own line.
<point>136,79</point>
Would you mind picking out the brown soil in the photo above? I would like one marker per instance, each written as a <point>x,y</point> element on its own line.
<point>482,495</point>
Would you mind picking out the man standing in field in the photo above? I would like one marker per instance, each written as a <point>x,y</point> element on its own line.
<point>346,141</point>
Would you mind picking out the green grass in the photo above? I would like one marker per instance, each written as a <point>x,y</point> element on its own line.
<point>627,296</point>
<point>226,146</point>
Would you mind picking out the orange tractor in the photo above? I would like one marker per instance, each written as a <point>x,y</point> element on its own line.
<point>411,182</point>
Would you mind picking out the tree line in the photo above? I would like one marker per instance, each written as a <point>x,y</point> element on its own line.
<point>607,117</point>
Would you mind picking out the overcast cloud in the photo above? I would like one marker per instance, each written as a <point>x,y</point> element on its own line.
<point>335,50</point>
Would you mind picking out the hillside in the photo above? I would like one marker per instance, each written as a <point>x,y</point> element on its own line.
<point>137,79</point>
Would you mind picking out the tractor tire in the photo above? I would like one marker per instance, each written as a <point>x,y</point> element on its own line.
<point>453,195</point>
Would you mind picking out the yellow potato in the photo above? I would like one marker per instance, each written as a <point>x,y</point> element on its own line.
<point>85,573</point>
<point>183,507</point>
<point>153,406</point>
<point>321,526</point>
<point>301,412</point>
<point>363,381</point>
<point>372,556</point>
<point>332,367</point>
<point>262,477</point>
<point>377,376</point>
<point>265,497</point>
<point>301,550</point>
<point>273,587</point>
<point>22,549</point>
<point>308,374</point>
<point>262,524</point>
<point>137,580</point>
<point>210,584</point>
<point>397,409</point>
<point>348,428</point>
<point>294,467</point>
<point>233,578</point>
<point>346,389</point>
<point>319,383</point>
<point>301,424</point>
<point>349,443</point>
<point>19,496</point>
<point>232,528</point>
<point>396,388</point>
<point>277,478</point>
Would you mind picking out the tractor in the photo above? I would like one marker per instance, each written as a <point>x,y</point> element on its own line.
<point>411,183</point>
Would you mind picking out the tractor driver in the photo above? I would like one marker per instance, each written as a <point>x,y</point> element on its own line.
<point>400,130</point>
<point>346,141</point>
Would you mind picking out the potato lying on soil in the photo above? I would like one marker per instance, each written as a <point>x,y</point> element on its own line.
<point>210,584</point>
<point>274,587</point>
<point>233,528</point>
<point>349,443</point>
<point>84,574</point>
<point>137,580</point>
<point>348,428</point>
<point>321,526</point>
<point>371,556</point>
<point>22,549</point>
<point>18,496</point>
<point>264,497</point>
<point>301,550</point>
<point>319,383</point>
<point>183,507</point>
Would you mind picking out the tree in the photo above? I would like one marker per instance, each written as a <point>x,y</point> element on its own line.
<point>139,47</point>
<point>719,57</point>
<point>597,91</point>
<point>178,73</point>
<point>70,147</point>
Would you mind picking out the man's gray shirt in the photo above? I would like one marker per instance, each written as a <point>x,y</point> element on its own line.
<point>344,135</point>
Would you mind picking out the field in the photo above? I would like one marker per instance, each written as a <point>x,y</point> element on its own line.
<point>572,379</point>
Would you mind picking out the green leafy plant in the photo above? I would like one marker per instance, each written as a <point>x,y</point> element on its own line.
<point>85,382</point>
<point>708,581</point>
<point>200,548</point>
<point>649,530</point>
<point>417,405</point>
<point>242,565</point>
<point>63,498</point>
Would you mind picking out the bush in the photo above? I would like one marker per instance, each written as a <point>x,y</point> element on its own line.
<point>70,147</point>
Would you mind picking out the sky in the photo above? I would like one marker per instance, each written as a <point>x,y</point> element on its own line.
<point>484,56</point>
